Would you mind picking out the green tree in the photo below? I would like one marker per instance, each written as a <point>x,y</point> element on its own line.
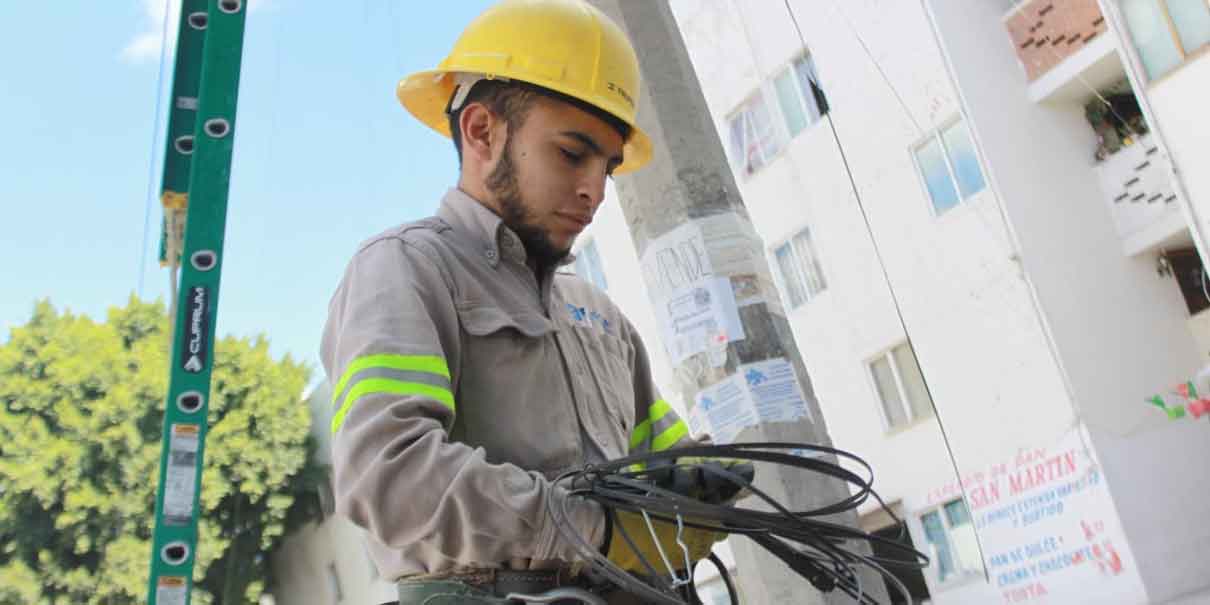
<point>81,409</point>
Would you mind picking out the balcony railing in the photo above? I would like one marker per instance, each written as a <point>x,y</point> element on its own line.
<point>1046,32</point>
<point>1139,192</point>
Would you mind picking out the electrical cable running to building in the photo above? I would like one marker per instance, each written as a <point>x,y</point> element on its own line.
<point>865,217</point>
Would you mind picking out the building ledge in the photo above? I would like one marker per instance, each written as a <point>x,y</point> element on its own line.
<point>1046,33</point>
<point>1168,231</point>
<point>1091,68</point>
<point>1137,186</point>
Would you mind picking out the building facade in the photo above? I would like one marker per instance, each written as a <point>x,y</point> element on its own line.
<point>1025,206</point>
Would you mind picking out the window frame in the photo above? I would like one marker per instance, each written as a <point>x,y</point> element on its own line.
<point>962,573</point>
<point>936,135</point>
<point>789,240</point>
<point>1176,36</point>
<point>1185,55</point>
<point>888,355</point>
<point>791,68</point>
<point>767,92</point>
<point>778,131</point>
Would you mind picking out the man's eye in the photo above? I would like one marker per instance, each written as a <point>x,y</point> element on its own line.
<point>571,156</point>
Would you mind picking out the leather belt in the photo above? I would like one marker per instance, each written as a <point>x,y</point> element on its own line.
<point>501,582</point>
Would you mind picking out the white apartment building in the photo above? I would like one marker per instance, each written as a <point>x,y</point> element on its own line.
<point>1035,183</point>
<point>1014,160</point>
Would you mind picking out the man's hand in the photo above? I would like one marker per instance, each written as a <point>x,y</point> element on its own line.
<point>698,478</point>
<point>701,478</point>
<point>697,541</point>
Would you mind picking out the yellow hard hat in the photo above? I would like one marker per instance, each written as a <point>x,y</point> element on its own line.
<point>567,46</point>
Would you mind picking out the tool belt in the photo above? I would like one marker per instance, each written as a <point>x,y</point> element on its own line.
<point>489,586</point>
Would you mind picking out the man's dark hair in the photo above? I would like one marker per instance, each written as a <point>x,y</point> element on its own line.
<point>513,99</point>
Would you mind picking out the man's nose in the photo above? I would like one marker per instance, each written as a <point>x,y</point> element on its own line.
<point>592,190</point>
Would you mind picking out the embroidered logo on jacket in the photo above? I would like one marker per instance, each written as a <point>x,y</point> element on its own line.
<point>589,318</point>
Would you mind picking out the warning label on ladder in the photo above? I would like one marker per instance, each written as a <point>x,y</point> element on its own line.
<point>179,487</point>
<point>171,590</point>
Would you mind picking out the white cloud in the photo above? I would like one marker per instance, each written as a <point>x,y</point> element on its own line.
<point>144,48</point>
<point>147,45</point>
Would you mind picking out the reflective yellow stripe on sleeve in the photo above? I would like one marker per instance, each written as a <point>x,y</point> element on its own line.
<point>670,436</point>
<point>666,431</point>
<point>422,375</point>
<point>429,364</point>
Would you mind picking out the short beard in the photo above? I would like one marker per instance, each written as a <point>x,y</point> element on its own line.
<point>503,183</point>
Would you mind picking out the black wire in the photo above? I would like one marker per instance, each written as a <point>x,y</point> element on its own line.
<point>155,147</point>
<point>732,593</point>
<point>814,548</point>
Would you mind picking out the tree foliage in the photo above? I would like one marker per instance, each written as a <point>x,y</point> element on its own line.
<point>81,409</point>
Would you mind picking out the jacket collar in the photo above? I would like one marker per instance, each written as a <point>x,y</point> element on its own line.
<point>496,239</point>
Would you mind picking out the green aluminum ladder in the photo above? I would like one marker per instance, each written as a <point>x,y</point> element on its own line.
<point>197,176</point>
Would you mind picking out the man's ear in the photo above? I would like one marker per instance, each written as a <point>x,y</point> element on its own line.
<point>478,126</point>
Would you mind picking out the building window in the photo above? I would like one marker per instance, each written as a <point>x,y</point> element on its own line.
<point>951,537</point>
<point>1165,32</point>
<point>1186,267</point>
<point>759,128</point>
<point>900,387</point>
<point>588,265</point>
<point>948,164</point>
<point>800,269</point>
<point>802,101</point>
<point>754,135</point>
<point>1116,118</point>
<point>892,537</point>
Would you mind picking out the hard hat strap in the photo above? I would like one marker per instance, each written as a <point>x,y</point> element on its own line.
<point>463,83</point>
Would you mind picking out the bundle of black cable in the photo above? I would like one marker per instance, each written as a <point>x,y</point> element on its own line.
<point>706,487</point>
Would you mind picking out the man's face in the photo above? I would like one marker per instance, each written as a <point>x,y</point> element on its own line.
<point>550,178</point>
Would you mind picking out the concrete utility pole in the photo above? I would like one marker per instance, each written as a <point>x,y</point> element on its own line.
<point>735,358</point>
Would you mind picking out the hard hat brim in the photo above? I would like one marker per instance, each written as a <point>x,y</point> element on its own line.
<point>426,95</point>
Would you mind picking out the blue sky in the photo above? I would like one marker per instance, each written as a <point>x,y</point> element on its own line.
<point>324,155</point>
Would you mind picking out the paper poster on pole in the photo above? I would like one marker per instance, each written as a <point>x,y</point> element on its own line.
<point>675,261</point>
<point>765,391</point>
<point>696,316</point>
<point>695,307</point>
<point>774,390</point>
<point>727,407</point>
<point>747,290</point>
<point>699,423</point>
<point>735,247</point>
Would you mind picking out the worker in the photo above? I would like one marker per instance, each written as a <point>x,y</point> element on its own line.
<point>469,370</point>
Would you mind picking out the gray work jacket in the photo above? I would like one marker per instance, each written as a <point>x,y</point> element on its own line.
<point>463,385</point>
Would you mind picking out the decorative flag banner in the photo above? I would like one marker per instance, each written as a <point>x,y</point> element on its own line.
<point>1181,401</point>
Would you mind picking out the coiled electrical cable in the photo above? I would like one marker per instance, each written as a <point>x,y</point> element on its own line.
<point>823,552</point>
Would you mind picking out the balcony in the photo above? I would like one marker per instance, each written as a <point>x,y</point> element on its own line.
<point>1062,49</point>
<point>1141,200</point>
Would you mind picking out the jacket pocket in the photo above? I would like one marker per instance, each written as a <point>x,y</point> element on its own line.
<point>484,320</point>
<point>609,357</point>
<point>517,405</point>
